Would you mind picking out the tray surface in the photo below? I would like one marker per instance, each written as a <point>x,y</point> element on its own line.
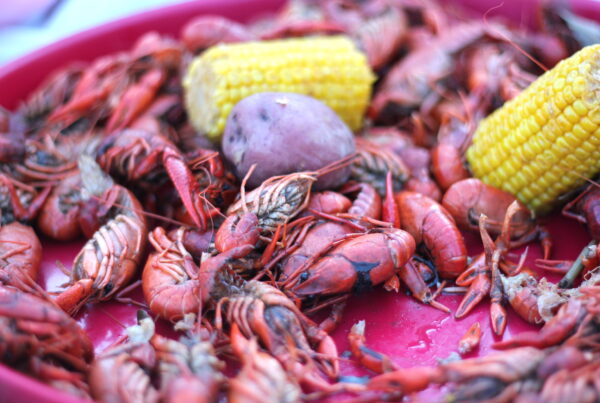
<point>409,332</point>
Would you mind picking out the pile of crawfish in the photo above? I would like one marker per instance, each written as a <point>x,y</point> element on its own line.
<point>105,151</point>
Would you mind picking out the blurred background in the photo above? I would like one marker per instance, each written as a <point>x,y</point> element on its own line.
<point>26,25</point>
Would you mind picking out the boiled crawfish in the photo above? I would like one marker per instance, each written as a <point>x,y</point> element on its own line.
<point>260,309</point>
<point>121,373</point>
<point>262,377</point>
<point>109,260</point>
<point>430,224</point>
<point>20,256</point>
<point>40,339</point>
<point>188,369</point>
<point>137,153</point>
<point>170,277</point>
<point>467,199</point>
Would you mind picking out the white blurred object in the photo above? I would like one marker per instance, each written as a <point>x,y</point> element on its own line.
<point>69,17</point>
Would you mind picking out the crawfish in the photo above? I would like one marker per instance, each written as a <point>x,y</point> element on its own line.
<point>20,255</point>
<point>499,376</point>
<point>12,137</point>
<point>278,199</point>
<point>261,211</point>
<point>217,184</point>
<point>188,369</point>
<point>136,153</point>
<point>467,199</point>
<point>108,261</point>
<point>261,309</point>
<point>311,240</point>
<point>373,164</point>
<point>315,236</point>
<point>40,339</point>
<point>169,279</point>
<point>354,264</point>
<point>121,373</point>
<point>585,208</point>
<point>154,50</point>
<point>329,202</point>
<point>367,23</point>
<point>42,161</point>
<point>367,357</point>
<point>366,204</point>
<point>135,100</point>
<point>431,225</point>
<point>261,378</point>
<point>203,32</point>
<point>483,274</point>
<point>534,301</point>
<point>578,384</point>
<point>417,159</point>
<point>104,78</point>
<point>447,162</point>
<point>495,72</point>
<point>412,275</point>
<point>411,81</point>
<point>496,375</point>
<point>470,340</point>
<point>298,18</point>
<point>566,321</point>
<point>52,93</point>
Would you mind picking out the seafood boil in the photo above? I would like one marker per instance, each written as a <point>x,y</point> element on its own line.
<point>243,186</point>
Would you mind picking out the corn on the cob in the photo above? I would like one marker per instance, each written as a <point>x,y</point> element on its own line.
<point>330,69</point>
<point>542,144</point>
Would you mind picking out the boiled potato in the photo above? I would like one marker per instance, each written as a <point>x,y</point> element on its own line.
<point>284,133</point>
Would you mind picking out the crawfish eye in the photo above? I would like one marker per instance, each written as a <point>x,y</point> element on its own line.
<point>108,288</point>
<point>472,217</point>
<point>304,277</point>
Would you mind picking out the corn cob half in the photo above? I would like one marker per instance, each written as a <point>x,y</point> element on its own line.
<point>542,143</point>
<point>330,69</point>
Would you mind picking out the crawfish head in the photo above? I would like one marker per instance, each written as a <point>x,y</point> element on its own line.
<point>277,200</point>
<point>237,230</point>
<point>30,323</point>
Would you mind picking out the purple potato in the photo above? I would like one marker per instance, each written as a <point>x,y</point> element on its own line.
<point>284,133</point>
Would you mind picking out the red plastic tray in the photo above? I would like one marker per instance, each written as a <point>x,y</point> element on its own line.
<point>409,332</point>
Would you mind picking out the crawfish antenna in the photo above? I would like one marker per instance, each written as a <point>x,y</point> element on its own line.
<point>504,36</point>
<point>243,187</point>
<point>95,180</point>
<point>339,164</point>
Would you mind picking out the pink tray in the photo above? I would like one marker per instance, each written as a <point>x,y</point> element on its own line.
<point>409,332</point>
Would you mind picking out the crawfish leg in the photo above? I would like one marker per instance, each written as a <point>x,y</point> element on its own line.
<point>470,340</point>
<point>334,318</point>
<point>497,311</point>
<point>368,358</point>
<point>411,276</point>
<point>479,288</point>
<point>574,271</point>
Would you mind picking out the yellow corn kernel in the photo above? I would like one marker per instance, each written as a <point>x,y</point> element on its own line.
<point>549,135</point>
<point>330,69</point>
